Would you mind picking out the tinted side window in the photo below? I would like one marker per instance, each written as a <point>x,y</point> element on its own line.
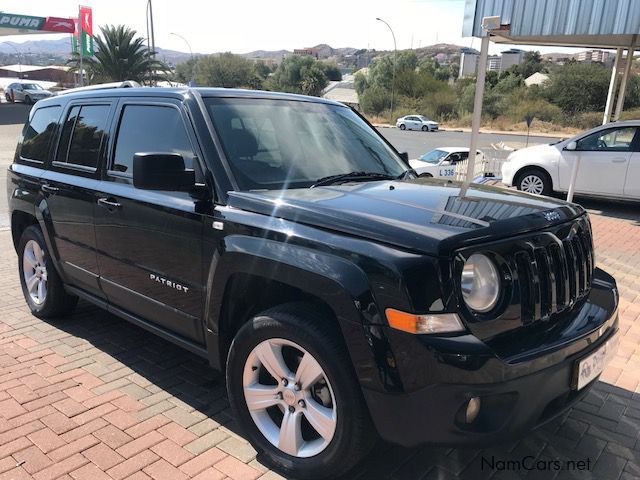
<point>37,134</point>
<point>65,137</point>
<point>147,128</point>
<point>86,138</point>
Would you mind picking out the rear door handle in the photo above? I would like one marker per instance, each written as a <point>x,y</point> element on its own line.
<point>109,204</point>
<point>49,189</point>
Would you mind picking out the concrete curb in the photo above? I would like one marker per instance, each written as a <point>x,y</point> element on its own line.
<point>493,132</point>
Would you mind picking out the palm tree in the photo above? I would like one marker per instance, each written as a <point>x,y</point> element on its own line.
<point>120,55</point>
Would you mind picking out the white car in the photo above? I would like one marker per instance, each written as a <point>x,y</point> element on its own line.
<point>417,122</point>
<point>27,92</point>
<point>609,165</point>
<point>441,162</point>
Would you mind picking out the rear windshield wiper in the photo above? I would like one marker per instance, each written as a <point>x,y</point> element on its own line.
<point>357,176</point>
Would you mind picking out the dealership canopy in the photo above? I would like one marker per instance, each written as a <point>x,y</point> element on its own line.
<point>562,23</point>
<point>15,24</point>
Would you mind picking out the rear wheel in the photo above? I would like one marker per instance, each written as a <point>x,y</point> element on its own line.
<point>42,287</point>
<point>402,126</point>
<point>534,181</point>
<point>295,397</point>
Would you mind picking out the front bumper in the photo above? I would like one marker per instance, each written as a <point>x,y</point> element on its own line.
<point>508,171</point>
<point>516,394</point>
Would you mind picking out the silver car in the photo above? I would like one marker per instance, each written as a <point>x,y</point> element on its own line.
<point>26,92</point>
<point>417,122</point>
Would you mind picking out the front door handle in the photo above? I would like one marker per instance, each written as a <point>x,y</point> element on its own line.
<point>49,189</point>
<point>619,160</point>
<point>109,203</point>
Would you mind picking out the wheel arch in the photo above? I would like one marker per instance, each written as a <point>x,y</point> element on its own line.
<point>20,220</point>
<point>539,168</point>
<point>266,273</point>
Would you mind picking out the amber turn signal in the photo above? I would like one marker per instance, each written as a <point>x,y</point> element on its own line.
<point>430,323</point>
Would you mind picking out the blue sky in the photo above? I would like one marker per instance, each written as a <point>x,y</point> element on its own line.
<point>244,25</point>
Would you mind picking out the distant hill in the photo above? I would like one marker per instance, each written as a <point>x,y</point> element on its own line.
<point>42,52</point>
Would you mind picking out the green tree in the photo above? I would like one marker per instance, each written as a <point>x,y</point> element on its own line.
<point>578,87</point>
<point>298,74</point>
<point>120,55</point>
<point>332,71</point>
<point>226,70</point>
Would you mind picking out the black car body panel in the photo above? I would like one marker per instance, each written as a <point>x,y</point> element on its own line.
<point>175,263</point>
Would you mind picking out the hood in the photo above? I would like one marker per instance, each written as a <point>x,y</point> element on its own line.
<point>423,215</point>
<point>417,163</point>
<point>542,151</point>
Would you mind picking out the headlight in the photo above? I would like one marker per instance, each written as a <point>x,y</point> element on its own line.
<point>480,283</point>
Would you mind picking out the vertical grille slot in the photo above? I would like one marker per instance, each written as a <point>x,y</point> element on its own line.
<point>559,266</point>
<point>572,270</point>
<point>547,283</point>
<point>581,265</point>
<point>528,287</point>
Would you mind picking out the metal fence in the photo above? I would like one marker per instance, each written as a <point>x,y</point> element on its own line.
<point>489,164</point>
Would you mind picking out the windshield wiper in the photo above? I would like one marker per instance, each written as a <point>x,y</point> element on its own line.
<point>357,176</point>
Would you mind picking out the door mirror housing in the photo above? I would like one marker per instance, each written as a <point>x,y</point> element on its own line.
<point>162,171</point>
<point>571,146</point>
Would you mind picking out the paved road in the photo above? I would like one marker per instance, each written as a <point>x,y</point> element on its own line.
<point>416,143</point>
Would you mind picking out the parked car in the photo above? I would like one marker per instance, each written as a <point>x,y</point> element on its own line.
<point>285,240</point>
<point>609,163</point>
<point>417,122</point>
<point>441,162</point>
<point>26,92</point>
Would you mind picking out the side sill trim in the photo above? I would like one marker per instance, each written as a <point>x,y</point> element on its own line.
<point>161,332</point>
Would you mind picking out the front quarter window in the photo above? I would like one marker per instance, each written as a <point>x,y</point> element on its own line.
<point>275,144</point>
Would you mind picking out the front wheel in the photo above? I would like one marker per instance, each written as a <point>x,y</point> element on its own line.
<point>27,100</point>
<point>8,98</point>
<point>295,395</point>
<point>534,181</point>
<point>425,128</point>
<point>425,175</point>
<point>42,287</point>
<point>403,127</point>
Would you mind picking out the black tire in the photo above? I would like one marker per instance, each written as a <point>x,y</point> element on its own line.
<point>354,433</point>
<point>27,100</point>
<point>528,178</point>
<point>425,175</point>
<point>402,126</point>
<point>8,98</point>
<point>425,128</point>
<point>57,302</point>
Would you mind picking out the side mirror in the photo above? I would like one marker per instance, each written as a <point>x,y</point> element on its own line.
<point>162,171</point>
<point>404,156</point>
<point>571,146</point>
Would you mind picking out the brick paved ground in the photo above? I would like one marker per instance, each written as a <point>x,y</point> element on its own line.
<point>92,397</point>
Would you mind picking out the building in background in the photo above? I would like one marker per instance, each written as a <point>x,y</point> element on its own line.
<point>513,56</point>
<point>589,56</point>
<point>51,73</point>
<point>468,62</point>
<point>536,79</point>
<point>306,51</point>
<point>494,63</point>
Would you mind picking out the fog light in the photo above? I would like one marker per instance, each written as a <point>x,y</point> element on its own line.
<point>473,408</point>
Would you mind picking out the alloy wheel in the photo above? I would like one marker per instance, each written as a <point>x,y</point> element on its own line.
<point>35,272</point>
<point>289,397</point>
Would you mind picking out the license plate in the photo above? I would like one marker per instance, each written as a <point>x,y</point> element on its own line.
<point>593,365</point>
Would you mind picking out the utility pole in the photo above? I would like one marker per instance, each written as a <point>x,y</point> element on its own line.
<point>81,44</point>
<point>393,75</point>
<point>192,83</point>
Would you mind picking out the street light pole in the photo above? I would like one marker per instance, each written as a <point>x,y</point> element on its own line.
<point>193,63</point>
<point>393,75</point>
<point>150,21</point>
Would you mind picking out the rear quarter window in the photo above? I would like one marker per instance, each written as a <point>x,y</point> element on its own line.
<point>39,132</point>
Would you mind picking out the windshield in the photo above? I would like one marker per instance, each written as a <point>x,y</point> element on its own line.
<point>424,119</point>
<point>31,86</point>
<point>434,156</point>
<point>276,144</point>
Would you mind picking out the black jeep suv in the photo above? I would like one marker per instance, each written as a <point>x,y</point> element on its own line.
<point>285,240</point>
